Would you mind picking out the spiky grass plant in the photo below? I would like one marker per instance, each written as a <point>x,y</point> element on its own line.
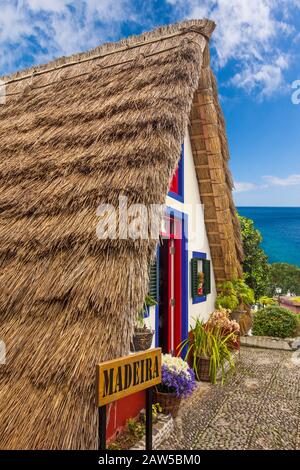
<point>207,344</point>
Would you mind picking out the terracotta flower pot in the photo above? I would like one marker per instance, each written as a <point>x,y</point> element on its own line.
<point>142,339</point>
<point>169,402</point>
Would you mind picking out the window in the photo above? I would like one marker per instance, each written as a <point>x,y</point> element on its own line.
<point>200,277</point>
<point>177,186</point>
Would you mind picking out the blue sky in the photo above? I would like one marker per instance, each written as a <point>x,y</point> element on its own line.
<point>255,55</point>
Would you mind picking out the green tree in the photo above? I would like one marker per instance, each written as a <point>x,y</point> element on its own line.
<point>284,276</point>
<point>255,264</point>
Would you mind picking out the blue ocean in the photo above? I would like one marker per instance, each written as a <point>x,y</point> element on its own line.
<point>280,228</point>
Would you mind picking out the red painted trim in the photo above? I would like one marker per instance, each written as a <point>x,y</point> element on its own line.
<point>178,293</point>
<point>169,295</point>
<point>174,188</point>
<point>177,236</point>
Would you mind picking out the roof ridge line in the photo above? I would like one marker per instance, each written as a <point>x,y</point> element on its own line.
<point>103,67</point>
<point>181,32</point>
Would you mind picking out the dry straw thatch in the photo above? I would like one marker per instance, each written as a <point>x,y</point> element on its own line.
<point>75,133</point>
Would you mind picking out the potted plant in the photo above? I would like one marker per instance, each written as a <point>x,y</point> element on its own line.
<point>220,322</point>
<point>177,382</point>
<point>142,337</point>
<point>236,296</point>
<point>207,351</point>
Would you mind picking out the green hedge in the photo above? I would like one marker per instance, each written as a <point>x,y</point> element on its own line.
<point>274,321</point>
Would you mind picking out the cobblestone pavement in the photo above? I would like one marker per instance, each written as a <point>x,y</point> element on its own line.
<point>257,408</point>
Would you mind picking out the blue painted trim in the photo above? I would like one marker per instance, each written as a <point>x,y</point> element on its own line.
<point>184,282</point>
<point>199,255</point>
<point>181,173</point>
<point>171,211</point>
<point>198,300</point>
<point>147,312</point>
<point>157,306</point>
<point>176,196</point>
<point>180,195</point>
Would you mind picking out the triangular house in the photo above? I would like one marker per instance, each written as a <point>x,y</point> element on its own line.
<point>120,120</point>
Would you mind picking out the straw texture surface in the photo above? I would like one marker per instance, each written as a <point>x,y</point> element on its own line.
<point>76,133</point>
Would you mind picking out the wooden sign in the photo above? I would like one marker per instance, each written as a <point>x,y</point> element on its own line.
<point>121,377</point>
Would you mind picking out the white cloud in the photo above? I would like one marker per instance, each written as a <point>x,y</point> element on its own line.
<point>59,27</point>
<point>268,78</point>
<point>57,6</point>
<point>269,180</point>
<point>243,187</point>
<point>291,180</point>
<point>249,33</point>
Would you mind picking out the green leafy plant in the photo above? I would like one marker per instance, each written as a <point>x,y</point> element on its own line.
<point>266,301</point>
<point>255,264</point>
<point>227,296</point>
<point>274,321</point>
<point>135,427</point>
<point>148,302</point>
<point>114,446</point>
<point>156,409</point>
<point>244,293</point>
<point>285,277</point>
<point>212,345</point>
<point>234,294</point>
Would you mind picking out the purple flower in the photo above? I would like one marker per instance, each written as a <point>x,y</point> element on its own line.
<point>182,383</point>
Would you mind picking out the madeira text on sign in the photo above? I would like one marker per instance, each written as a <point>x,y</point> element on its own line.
<point>127,375</point>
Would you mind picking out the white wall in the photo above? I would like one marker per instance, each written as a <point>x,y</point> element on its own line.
<point>197,237</point>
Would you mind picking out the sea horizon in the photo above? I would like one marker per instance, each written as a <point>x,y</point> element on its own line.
<point>280,229</point>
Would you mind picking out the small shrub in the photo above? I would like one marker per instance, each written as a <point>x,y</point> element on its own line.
<point>227,296</point>
<point>274,321</point>
<point>135,427</point>
<point>266,301</point>
<point>234,294</point>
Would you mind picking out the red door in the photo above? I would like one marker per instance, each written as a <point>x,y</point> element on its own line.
<point>170,287</point>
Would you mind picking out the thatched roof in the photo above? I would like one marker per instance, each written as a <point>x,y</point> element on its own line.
<point>74,133</point>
